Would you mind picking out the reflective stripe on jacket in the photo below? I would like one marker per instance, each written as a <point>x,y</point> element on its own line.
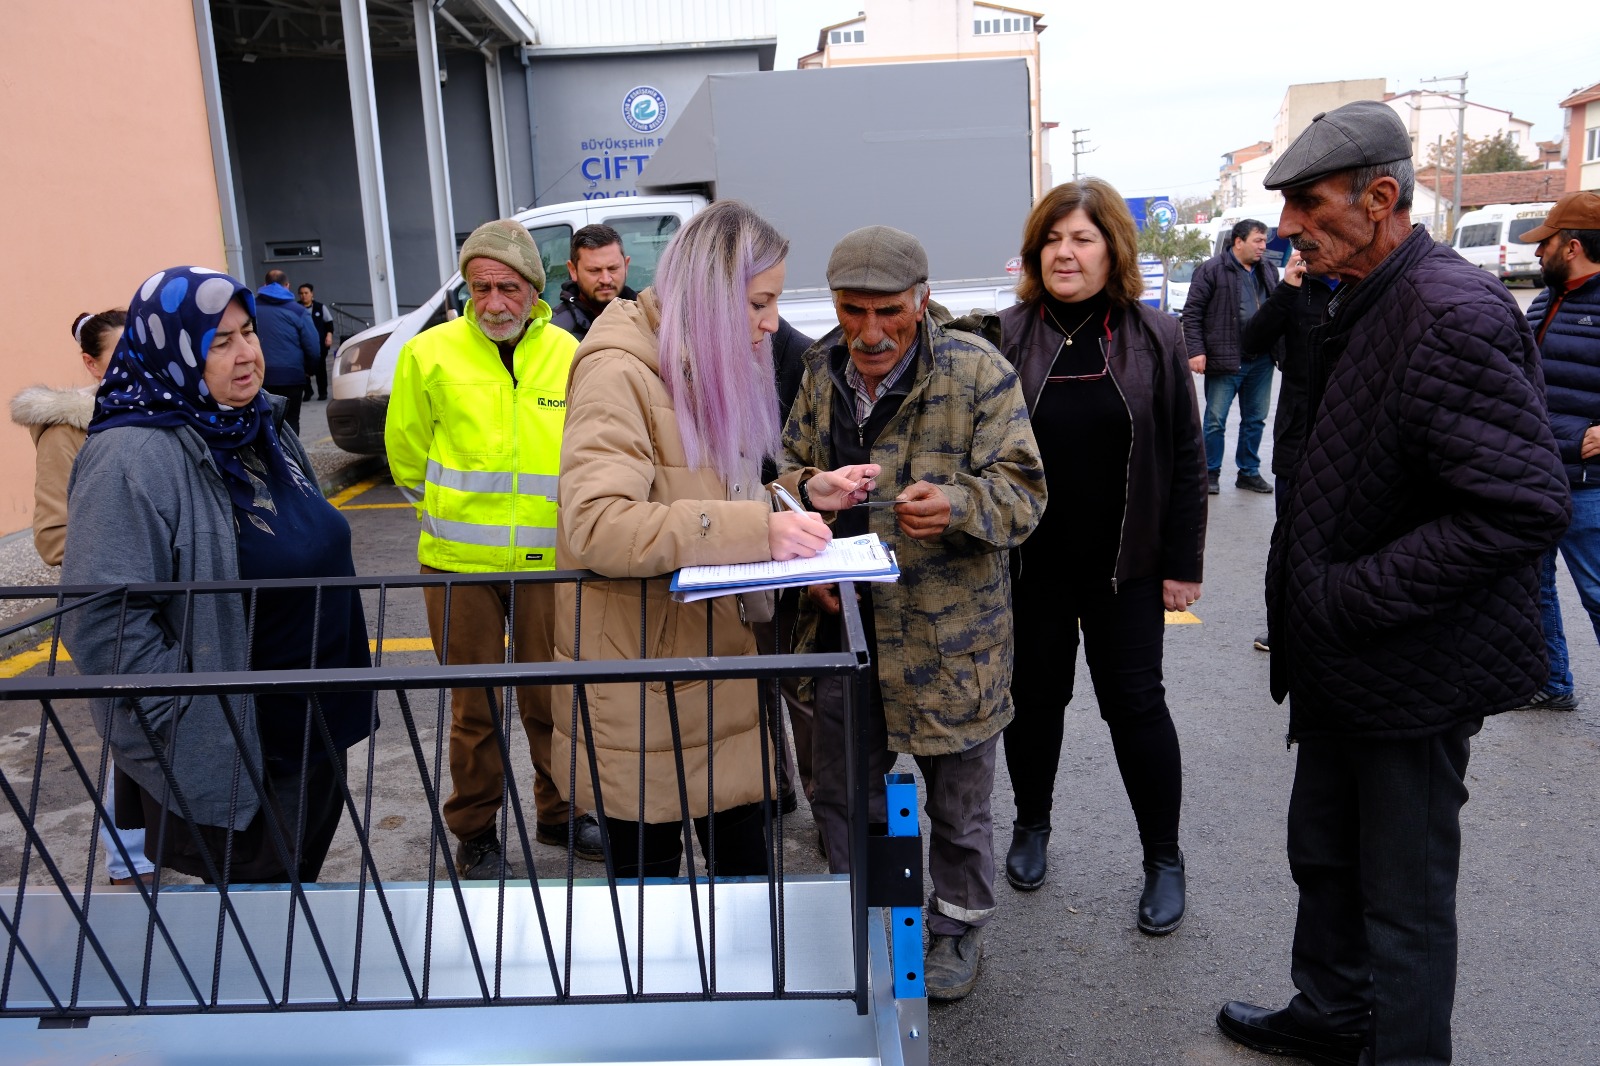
<point>477,453</point>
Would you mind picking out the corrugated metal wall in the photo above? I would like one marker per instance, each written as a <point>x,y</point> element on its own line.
<point>603,23</point>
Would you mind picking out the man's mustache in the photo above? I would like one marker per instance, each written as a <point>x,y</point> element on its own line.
<point>885,345</point>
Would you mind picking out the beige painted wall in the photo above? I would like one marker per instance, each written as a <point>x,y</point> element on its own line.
<point>106,178</point>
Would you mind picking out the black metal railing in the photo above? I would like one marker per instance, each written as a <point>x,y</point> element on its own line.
<point>402,928</point>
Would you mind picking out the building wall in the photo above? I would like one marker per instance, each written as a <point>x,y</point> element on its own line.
<point>583,146</point>
<point>923,31</point>
<point>610,23</point>
<point>107,179</point>
<point>1582,174</point>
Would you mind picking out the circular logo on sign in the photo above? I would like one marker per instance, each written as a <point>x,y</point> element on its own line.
<point>1164,213</point>
<point>645,109</point>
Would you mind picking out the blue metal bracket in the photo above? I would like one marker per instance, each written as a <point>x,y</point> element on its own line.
<point>906,922</point>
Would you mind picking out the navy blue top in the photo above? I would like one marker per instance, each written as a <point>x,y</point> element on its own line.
<point>299,535</point>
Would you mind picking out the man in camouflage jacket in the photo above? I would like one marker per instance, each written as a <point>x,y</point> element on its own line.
<point>943,416</point>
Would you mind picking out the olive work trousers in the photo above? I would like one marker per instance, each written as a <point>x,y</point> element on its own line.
<point>478,617</point>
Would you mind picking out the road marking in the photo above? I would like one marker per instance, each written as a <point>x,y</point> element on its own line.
<point>1182,618</point>
<point>24,661</point>
<point>340,499</point>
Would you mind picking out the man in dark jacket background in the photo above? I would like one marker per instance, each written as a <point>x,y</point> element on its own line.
<point>1402,593</point>
<point>1565,319</point>
<point>1227,290</point>
<point>289,342</point>
<point>598,274</point>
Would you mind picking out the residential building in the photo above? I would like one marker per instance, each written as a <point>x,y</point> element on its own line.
<point>1432,118</point>
<point>894,31</point>
<point>1510,187</point>
<point>1583,138</point>
<point>1551,156</point>
<point>1239,183</point>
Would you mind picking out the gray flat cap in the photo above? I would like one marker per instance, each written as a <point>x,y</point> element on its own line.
<point>877,259</point>
<point>1362,133</point>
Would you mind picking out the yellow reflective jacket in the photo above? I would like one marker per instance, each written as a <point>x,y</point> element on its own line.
<point>477,452</point>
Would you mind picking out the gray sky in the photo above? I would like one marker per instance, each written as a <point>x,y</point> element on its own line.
<point>1164,96</point>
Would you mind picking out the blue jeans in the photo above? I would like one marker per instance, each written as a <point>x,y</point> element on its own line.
<point>1580,547</point>
<point>1252,383</point>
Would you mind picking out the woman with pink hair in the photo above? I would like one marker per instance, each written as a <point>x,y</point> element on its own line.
<point>671,409</point>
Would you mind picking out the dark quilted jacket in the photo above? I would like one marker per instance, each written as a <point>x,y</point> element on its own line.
<point>1570,352</point>
<point>1211,313</point>
<point>1401,589</point>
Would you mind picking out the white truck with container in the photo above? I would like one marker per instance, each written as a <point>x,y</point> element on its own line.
<point>941,150</point>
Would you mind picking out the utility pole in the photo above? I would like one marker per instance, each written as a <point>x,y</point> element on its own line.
<point>1461,139</point>
<point>1079,147</point>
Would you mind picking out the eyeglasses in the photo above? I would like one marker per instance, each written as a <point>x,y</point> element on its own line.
<point>1056,379</point>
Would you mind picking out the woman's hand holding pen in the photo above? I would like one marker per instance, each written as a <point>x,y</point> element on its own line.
<point>796,535</point>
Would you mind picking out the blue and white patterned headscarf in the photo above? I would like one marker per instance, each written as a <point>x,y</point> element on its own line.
<point>156,378</point>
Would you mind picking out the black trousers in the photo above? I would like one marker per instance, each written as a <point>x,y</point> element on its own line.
<point>1375,847</point>
<point>1123,632</point>
<point>740,846</point>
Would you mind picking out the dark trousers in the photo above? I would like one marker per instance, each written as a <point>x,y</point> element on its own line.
<point>292,393</point>
<point>739,848</point>
<point>960,817</point>
<point>1123,633</point>
<point>1375,846</point>
<point>250,855</point>
<point>320,377</point>
<point>478,635</point>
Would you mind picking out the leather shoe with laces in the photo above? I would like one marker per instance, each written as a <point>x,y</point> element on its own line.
<point>1026,859</point>
<point>1276,1032</point>
<point>1253,482</point>
<point>480,859</point>
<point>1161,905</point>
<point>586,839</point>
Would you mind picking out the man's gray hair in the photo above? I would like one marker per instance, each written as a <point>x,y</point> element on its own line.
<point>1400,170</point>
<point>918,291</point>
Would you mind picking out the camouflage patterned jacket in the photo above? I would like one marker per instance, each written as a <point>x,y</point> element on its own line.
<point>944,647</point>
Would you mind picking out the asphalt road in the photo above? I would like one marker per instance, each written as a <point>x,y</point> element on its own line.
<point>1067,977</point>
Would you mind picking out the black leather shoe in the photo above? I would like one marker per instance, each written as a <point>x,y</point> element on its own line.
<point>1213,484</point>
<point>586,841</point>
<point>1276,1033</point>
<point>1161,904</point>
<point>1026,859</point>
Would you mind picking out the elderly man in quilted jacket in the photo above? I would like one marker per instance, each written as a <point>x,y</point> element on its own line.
<point>1402,593</point>
<point>943,415</point>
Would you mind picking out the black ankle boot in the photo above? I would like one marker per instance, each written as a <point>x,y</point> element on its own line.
<point>1026,861</point>
<point>1161,904</point>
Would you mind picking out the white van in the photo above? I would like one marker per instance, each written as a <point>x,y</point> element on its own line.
<point>363,370</point>
<point>1487,238</point>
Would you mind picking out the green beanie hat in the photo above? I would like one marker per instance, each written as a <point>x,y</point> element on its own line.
<point>506,241</point>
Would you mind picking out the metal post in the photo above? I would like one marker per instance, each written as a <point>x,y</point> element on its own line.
<point>1461,139</point>
<point>910,990</point>
<point>369,158</point>
<point>1079,148</point>
<point>444,220</point>
<point>221,163</point>
<point>497,133</point>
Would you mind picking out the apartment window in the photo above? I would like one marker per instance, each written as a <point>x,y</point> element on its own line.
<point>1591,151</point>
<point>846,36</point>
<point>1002,25</point>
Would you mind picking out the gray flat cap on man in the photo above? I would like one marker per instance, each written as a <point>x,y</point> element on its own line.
<point>1362,133</point>
<point>877,259</point>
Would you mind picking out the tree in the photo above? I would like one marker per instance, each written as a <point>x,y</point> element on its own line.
<point>1190,207</point>
<point>1176,244</point>
<point>1495,154</point>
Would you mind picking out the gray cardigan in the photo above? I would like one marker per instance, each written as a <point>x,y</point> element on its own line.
<point>149,505</point>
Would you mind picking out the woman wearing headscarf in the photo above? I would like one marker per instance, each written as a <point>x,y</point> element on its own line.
<point>671,410</point>
<point>189,475</point>
<point>1108,391</point>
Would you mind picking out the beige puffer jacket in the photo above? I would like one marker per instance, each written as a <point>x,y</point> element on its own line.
<point>59,422</point>
<point>631,508</point>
